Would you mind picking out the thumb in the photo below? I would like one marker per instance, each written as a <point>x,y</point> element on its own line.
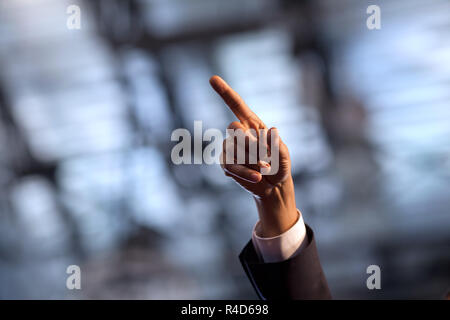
<point>279,156</point>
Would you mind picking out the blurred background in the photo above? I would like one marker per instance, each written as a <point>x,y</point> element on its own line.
<point>85,123</point>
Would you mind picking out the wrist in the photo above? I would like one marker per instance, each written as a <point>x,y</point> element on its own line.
<point>277,210</point>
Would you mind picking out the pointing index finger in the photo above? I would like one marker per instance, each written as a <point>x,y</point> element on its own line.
<point>232,99</point>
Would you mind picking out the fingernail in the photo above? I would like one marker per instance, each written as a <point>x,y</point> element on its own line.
<point>263,164</point>
<point>255,177</point>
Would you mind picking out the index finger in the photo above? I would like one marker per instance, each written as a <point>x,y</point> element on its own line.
<point>232,99</point>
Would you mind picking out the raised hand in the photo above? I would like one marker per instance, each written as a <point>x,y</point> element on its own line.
<point>274,190</point>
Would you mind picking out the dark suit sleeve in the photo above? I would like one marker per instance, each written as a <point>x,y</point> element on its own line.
<point>300,277</point>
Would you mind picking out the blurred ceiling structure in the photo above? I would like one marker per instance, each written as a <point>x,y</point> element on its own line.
<point>86,117</point>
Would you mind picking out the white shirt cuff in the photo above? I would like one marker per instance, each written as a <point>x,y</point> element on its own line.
<point>282,247</point>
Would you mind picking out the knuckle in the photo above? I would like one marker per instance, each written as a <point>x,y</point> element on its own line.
<point>234,125</point>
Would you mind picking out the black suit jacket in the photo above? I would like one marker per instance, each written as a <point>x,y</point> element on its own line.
<point>300,277</point>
